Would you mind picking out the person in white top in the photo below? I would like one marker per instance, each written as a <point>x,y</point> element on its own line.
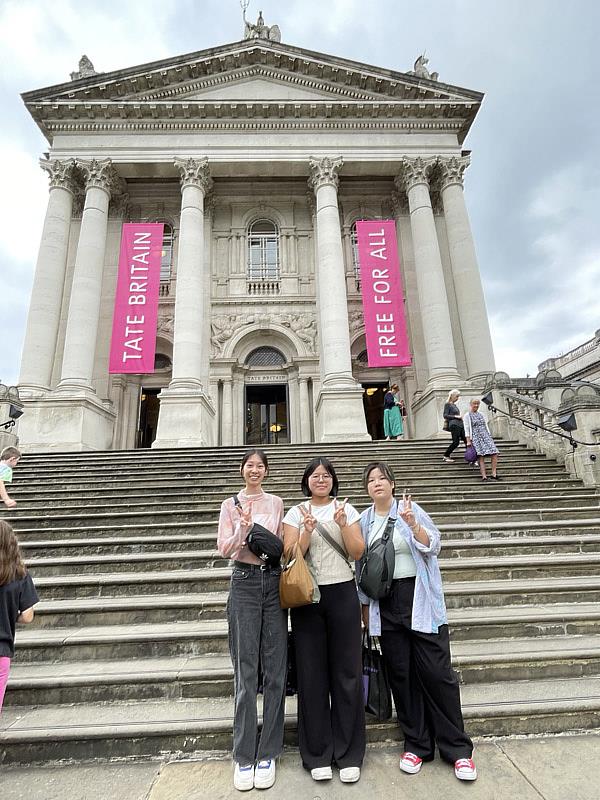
<point>327,633</point>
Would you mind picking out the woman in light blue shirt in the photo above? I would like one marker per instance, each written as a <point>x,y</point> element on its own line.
<point>412,626</point>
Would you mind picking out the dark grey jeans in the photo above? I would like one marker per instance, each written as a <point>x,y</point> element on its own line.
<point>257,634</point>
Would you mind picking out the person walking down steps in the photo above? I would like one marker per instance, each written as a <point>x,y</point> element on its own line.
<point>456,428</point>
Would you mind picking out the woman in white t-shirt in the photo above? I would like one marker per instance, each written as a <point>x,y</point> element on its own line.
<point>327,633</point>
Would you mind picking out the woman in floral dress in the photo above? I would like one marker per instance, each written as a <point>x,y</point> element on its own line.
<point>478,434</point>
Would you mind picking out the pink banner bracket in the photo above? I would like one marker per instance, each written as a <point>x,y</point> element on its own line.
<point>133,342</point>
<point>381,288</point>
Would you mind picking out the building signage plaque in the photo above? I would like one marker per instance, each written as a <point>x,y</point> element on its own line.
<point>381,288</point>
<point>133,343</point>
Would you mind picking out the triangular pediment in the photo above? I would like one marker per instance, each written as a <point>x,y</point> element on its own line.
<point>253,78</point>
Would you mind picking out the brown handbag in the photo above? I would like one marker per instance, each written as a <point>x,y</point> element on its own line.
<point>296,587</point>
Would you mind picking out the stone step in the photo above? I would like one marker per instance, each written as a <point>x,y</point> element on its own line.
<point>464,514</point>
<point>471,530</point>
<point>167,626</point>
<point>190,505</point>
<point>492,567</point>
<point>183,543</point>
<point>149,728</point>
<point>182,677</point>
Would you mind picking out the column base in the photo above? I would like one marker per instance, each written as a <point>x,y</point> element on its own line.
<point>340,415</point>
<point>185,419</point>
<point>62,422</point>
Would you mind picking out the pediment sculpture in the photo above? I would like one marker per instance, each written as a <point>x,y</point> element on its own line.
<point>260,30</point>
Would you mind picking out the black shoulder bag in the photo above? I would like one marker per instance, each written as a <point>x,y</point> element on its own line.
<point>377,568</point>
<point>262,542</point>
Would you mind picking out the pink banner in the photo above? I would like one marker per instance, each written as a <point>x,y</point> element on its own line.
<point>133,343</point>
<point>381,287</point>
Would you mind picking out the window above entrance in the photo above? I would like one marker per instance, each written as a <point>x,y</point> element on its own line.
<point>265,357</point>
<point>263,258</point>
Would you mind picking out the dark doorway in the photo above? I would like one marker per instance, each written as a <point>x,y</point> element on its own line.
<point>266,414</point>
<point>373,405</point>
<point>148,421</point>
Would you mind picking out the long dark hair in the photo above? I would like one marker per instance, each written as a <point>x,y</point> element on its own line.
<point>11,560</point>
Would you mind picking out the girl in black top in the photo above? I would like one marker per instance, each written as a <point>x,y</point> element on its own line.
<point>453,417</point>
<point>17,598</point>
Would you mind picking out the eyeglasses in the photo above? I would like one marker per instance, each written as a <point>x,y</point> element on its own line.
<point>314,477</point>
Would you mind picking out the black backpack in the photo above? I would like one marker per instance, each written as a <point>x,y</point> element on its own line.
<point>377,565</point>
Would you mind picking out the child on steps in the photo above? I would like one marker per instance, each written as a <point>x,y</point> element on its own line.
<point>17,598</point>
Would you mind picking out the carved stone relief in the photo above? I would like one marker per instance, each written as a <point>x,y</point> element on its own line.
<point>224,326</point>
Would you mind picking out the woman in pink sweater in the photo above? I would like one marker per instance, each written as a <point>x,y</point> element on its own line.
<point>257,627</point>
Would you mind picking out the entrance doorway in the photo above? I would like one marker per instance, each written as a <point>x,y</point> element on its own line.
<point>148,419</point>
<point>373,405</point>
<point>267,414</point>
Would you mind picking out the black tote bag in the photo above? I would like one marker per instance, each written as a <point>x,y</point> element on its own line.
<point>376,687</point>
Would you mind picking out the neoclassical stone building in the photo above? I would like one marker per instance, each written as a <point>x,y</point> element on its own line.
<point>259,158</point>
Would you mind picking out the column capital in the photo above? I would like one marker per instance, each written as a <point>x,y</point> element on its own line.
<point>61,174</point>
<point>194,172</point>
<point>324,172</point>
<point>451,170</point>
<point>414,171</point>
<point>99,175</point>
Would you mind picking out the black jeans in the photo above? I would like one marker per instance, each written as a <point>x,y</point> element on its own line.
<point>457,429</point>
<point>331,714</point>
<point>257,634</point>
<point>424,685</point>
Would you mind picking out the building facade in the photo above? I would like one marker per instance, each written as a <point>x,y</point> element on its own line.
<point>259,158</point>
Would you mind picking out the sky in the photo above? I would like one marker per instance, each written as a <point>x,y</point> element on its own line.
<point>533,187</point>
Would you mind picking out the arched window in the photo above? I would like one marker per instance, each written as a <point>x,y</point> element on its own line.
<point>166,261</point>
<point>265,357</point>
<point>263,251</point>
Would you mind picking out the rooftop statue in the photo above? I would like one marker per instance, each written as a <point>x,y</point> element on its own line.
<point>86,69</point>
<point>420,69</point>
<point>260,30</point>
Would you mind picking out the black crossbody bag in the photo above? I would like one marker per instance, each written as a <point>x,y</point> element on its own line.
<point>377,565</point>
<point>262,542</point>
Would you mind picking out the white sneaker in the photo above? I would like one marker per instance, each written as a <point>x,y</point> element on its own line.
<point>264,774</point>
<point>321,774</point>
<point>349,774</point>
<point>411,763</point>
<point>465,770</point>
<point>243,777</point>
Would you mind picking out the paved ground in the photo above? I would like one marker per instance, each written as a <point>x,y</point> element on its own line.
<point>551,768</point>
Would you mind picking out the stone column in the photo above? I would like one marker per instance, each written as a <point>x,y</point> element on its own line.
<point>84,305</point>
<point>46,296</point>
<point>184,406</point>
<point>465,270</point>
<point>437,329</point>
<point>227,421</point>
<point>305,411</point>
<point>339,406</point>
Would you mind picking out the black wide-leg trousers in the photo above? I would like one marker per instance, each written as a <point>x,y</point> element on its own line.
<point>331,715</point>
<point>424,685</point>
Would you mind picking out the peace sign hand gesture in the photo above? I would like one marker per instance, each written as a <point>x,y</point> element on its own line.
<point>245,516</point>
<point>339,515</point>
<point>310,522</point>
<point>407,513</point>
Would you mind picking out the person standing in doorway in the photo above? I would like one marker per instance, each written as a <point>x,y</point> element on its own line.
<point>392,420</point>
<point>456,428</point>
<point>257,627</point>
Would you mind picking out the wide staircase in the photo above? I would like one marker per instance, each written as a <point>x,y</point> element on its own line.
<point>128,652</point>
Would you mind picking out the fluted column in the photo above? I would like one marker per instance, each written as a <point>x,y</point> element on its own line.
<point>46,296</point>
<point>339,406</point>
<point>187,414</point>
<point>332,302</point>
<point>465,269</point>
<point>305,411</point>
<point>190,350</point>
<point>84,305</point>
<point>435,314</point>
<point>227,420</point>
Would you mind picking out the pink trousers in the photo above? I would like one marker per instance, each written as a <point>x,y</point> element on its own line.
<point>4,670</point>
